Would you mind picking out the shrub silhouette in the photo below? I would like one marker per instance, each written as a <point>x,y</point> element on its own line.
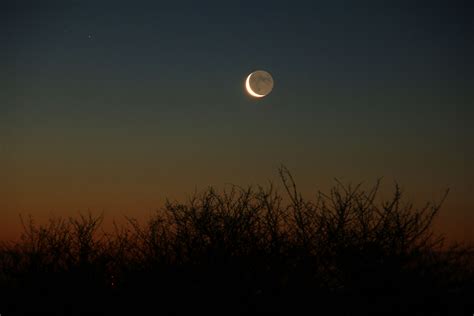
<point>242,251</point>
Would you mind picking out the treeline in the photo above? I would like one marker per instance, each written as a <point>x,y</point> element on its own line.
<point>244,251</point>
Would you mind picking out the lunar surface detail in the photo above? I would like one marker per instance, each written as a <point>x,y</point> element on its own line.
<point>259,83</point>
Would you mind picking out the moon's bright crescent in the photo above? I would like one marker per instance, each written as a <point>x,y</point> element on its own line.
<point>249,89</point>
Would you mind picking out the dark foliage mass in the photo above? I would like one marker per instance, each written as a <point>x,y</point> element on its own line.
<point>244,251</point>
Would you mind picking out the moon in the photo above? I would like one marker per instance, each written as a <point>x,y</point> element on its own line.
<point>259,83</point>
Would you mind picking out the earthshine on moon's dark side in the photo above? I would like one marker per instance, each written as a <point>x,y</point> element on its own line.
<point>259,83</point>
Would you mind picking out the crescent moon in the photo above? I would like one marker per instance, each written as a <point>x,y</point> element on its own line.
<point>249,89</point>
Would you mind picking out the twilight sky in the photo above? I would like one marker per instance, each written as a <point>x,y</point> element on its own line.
<point>112,106</point>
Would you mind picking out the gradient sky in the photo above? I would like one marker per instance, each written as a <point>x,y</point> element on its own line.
<point>112,106</point>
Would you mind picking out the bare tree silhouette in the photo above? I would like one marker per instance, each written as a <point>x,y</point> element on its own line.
<point>242,251</point>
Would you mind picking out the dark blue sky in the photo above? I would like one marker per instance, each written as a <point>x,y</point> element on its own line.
<point>114,105</point>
